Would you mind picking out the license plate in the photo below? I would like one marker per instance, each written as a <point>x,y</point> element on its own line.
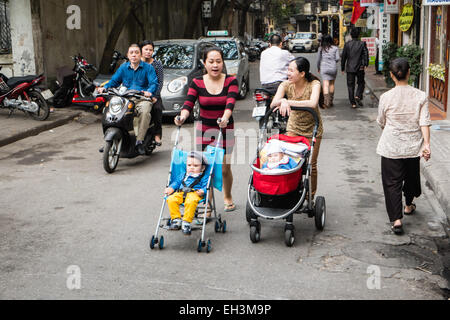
<point>47,94</point>
<point>259,111</point>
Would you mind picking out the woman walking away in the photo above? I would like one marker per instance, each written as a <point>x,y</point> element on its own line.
<point>302,90</point>
<point>327,67</point>
<point>216,93</point>
<point>147,49</point>
<point>404,117</point>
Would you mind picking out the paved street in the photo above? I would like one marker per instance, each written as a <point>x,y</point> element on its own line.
<point>60,209</point>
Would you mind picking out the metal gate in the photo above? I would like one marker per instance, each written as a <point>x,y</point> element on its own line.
<point>5,28</point>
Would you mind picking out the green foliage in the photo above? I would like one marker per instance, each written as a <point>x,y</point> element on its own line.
<point>389,54</point>
<point>410,51</point>
<point>414,54</point>
<point>281,10</point>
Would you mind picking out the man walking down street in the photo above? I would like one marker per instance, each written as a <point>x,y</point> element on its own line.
<point>355,58</point>
<point>141,76</point>
<point>274,64</point>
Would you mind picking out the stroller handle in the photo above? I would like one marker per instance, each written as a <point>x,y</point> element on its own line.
<point>310,110</point>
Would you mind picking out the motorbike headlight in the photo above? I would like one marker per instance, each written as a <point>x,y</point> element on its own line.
<point>115,105</point>
<point>177,84</point>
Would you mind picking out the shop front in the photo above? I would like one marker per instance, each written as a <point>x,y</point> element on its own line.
<point>438,52</point>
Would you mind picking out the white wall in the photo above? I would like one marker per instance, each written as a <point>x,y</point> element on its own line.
<point>22,38</point>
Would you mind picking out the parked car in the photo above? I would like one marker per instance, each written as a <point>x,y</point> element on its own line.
<point>181,62</point>
<point>304,41</point>
<point>236,60</point>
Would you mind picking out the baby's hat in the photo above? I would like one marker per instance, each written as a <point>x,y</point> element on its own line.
<point>274,146</point>
<point>199,156</point>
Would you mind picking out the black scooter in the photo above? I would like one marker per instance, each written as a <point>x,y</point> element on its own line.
<point>118,129</point>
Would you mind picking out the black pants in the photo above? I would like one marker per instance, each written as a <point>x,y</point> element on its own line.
<point>351,85</point>
<point>376,63</point>
<point>400,175</point>
<point>157,117</point>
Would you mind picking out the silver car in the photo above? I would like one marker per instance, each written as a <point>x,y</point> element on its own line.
<point>181,62</point>
<point>304,41</point>
<point>236,60</point>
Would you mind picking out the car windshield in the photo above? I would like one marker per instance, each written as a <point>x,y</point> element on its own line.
<point>303,36</point>
<point>175,56</point>
<point>229,48</point>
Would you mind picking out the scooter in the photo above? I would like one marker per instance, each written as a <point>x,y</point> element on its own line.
<point>21,93</point>
<point>76,88</point>
<point>119,132</point>
<point>263,99</point>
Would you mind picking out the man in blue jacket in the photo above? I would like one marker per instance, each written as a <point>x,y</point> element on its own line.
<point>141,76</point>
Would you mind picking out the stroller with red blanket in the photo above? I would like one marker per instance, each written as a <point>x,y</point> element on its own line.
<point>279,194</point>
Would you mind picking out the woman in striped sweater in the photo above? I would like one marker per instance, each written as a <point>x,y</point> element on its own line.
<point>216,94</point>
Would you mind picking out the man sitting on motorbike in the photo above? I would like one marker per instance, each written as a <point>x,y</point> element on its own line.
<point>141,76</point>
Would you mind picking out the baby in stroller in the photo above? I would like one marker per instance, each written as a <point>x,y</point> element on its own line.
<point>277,159</point>
<point>188,188</point>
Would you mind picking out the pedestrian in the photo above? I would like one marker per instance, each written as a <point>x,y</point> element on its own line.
<point>148,48</point>
<point>355,58</point>
<point>405,119</point>
<point>273,64</point>
<point>302,90</point>
<point>327,67</point>
<point>216,94</point>
<point>377,46</point>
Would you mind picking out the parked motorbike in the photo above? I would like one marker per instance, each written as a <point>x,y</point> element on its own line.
<point>76,88</point>
<point>117,59</point>
<point>21,93</point>
<point>118,129</point>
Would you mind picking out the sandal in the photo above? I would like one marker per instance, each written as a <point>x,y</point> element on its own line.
<point>412,210</point>
<point>229,207</point>
<point>398,230</point>
<point>200,217</point>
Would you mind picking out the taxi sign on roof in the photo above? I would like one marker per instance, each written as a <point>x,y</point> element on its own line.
<point>217,33</point>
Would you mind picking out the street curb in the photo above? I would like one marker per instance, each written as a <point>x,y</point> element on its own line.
<point>36,130</point>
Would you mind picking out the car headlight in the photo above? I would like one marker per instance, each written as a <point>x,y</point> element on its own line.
<point>177,84</point>
<point>115,105</point>
<point>233,71</point>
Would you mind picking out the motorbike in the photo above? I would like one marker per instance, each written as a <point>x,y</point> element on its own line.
<point>76,88</point>
<point>118,129</point>
<point>21,93</point>
<point>276,124</point>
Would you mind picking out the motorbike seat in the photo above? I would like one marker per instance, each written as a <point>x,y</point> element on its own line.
<point>14,81</point>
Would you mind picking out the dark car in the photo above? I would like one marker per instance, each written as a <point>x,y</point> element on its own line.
<point>181,61</point>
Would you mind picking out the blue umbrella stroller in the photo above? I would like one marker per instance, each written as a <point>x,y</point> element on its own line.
<point>214,157</point>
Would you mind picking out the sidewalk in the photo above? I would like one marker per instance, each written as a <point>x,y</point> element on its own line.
<point>20,126</point>
<point>437,170</point>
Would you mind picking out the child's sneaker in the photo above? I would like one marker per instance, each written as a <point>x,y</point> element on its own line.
<point>175,225</point>
<point>186,228</point>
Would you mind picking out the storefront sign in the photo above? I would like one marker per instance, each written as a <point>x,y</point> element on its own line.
<point>391,6</point>
<point>385,33</point>
<point>368,3</point>
<point>406,17</point>
<point>372,17</point>
<point>206,9</point>
<point>435,2</point>
<point>371,47</point>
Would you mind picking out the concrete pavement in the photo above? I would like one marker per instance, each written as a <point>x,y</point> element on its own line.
<point>437,170</point>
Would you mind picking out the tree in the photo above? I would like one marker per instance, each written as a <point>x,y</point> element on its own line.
<point>192,19</point>
<point>243,7</point>
<point>217,11</point>
<point>119,23</point>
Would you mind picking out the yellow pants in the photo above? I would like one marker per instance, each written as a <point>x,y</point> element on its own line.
<point>190,205</point>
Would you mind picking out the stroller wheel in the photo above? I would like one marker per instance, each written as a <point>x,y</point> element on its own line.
<point>199,247</point>
<point>208,246</point>
<point>161,242</point>
<point>289,237</point>
<point>248,212</point>
<point>217,226</point>
<point>224,226</point>
<point>152,242</point>
<point>255,234</point>
<point>320,212</point>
